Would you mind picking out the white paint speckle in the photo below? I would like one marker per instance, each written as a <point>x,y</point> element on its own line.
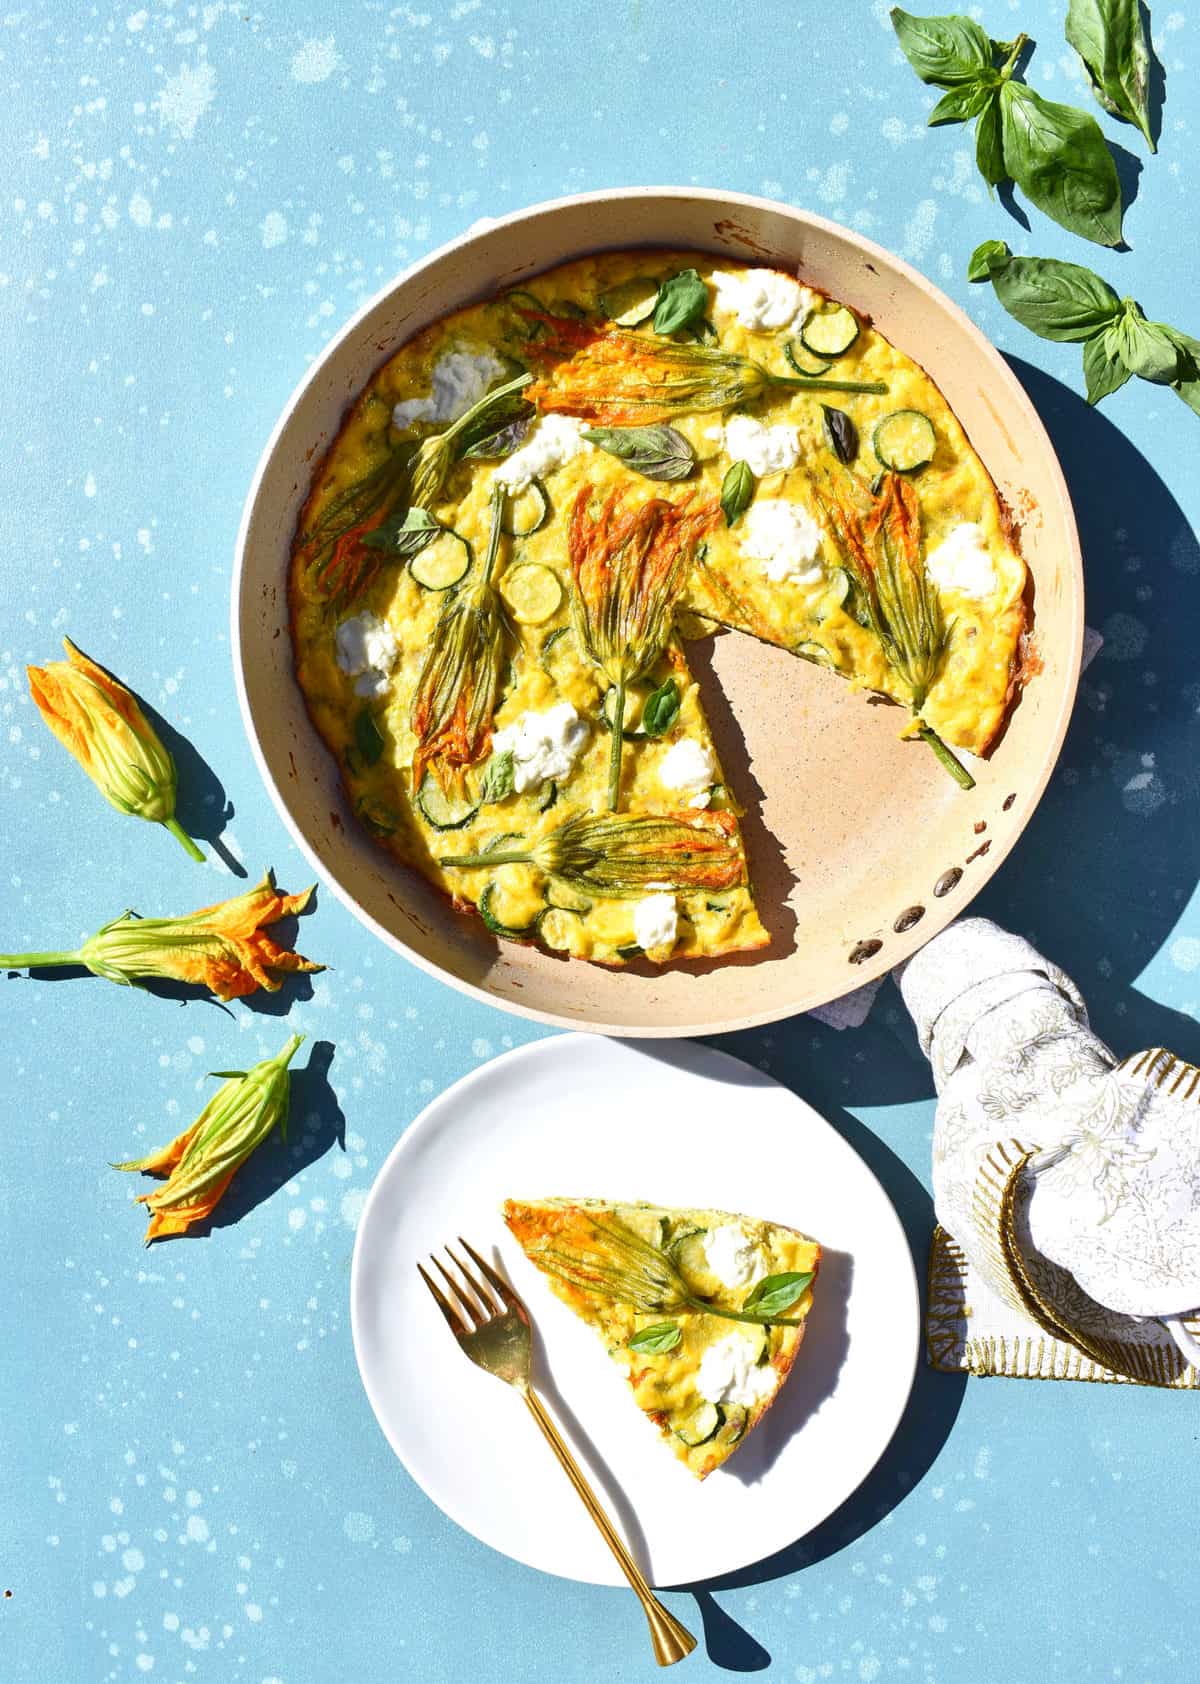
<point>186,97</point>
<point>314,60</point>
<point>358,1527</point>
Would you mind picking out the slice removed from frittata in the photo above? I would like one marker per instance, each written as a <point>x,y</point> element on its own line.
<point>702,1310</point>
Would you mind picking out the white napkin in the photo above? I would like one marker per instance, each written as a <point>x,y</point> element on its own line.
<point>1066,1184</point>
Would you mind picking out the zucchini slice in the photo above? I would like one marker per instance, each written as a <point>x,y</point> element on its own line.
<point>631,303</point>
<point>904,440</point>
<point>443,563</point>
<point>809,650</point>
<point>566,899</point>
<point>734,1424</point>
<point>830,332</point>
<point>528,510</point>
<point>803,361</point>
<point>703,1424</point>
<point>532,592</point>
<point>548,796</point>
<point>441,809</point>
<point>687,1249</point>
<point>514,932</point>
<point>384,821</point>
<point>554,926</point>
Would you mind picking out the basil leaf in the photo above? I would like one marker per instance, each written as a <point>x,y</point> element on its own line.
<point>505,437</point>
<point>1055,300</point>
<point>1058,158</point>
<point>841,433</point>
<point>945,50</point>
<point>1103,367</point>
<point>498,778</point>
<point>961,103</point>
<point>661,709</point>
<point>663,1336</point>
<point>1146,348</point>
<point>681,298</point>
<point>657,452</point>
<point>987,260</point>
<point>776,1293</point>
<point>1110,38</point>
<point>476,438</point>
<point>368,738</point>
<point>737,491</point>
<point>989,143</point>
<point>403,536</point>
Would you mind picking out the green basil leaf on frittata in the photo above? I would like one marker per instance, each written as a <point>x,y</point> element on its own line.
<point>662,1337</point>
<point>656,452</point>
<point>403,536</point>
<point>1058,158</point>
<point>841,433</point>
<point>1110,38</point>
<point>776,1293</point>
<point>1103,368</point>
<point>368,738</point>
<point>681,299</point>
<point>943,50</point>
<point>488,433</point>
<point>737,491</point>
<point>661,709</point>
<point>498,778</point>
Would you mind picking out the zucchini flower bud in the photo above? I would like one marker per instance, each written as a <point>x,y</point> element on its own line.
<point>225,948</point>
<point>201,1162</point>
<point>97,720</point>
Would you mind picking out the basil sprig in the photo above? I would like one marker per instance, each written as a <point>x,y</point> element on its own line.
<point>1064,301</point>
<point>776,1293</point>
<point>682,299</point>
<point>1110,38</point>
<point>498,778</point>
<point>737,491</point>
<point>656,452</point>
<point>1054,153</point>
<point>656,1340</point>
<point>403,535</point>
<point>661,709</point>
<point>841,433</point>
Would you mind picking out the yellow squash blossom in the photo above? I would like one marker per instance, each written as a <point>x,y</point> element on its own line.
<point>98,721</point>
<point>202,1161</point>
<point>225,948</point>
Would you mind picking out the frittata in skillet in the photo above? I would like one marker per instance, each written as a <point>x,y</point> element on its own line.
<point>702,1311</point>
<point>531,504</point>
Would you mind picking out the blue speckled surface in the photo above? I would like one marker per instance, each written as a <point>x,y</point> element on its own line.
<point>191,1483</point>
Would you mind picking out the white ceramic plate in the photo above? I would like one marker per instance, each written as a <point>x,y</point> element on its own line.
<point>677,1124</point>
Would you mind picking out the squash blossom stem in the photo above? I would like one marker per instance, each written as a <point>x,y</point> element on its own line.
<point>614,753</point>
<point>181,836</point>
<point>948,759</point>
<point>37,961</point>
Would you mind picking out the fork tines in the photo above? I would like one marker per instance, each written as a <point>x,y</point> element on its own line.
<point>472,1305</point>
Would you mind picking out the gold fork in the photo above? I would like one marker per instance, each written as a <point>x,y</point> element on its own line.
<point>498,1338</point>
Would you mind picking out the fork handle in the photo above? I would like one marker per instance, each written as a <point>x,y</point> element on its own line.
<point>672,1641</point>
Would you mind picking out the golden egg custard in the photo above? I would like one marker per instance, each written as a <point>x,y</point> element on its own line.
<point>538,498</point>
<point>701,1310</point>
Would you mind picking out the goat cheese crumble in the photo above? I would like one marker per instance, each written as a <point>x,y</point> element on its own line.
<point>460,378</point>
<point>732,1255</point>
<point>961,562</point>
<point>553,440</point>
<point>730,1372</point>
<point>764,450</point>
<point>689,767</point>
<point>543,745</point>
<point>763,300</point>
<point>785,538</point>
<point>366,650</point>
<point>655,922</point>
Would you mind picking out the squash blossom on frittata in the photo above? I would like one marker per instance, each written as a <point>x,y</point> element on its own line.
<point>224,948</point>
<point>201,1162</point>
<point>97,720</point>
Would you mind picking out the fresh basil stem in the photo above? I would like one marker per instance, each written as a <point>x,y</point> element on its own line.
<point>953,765</point>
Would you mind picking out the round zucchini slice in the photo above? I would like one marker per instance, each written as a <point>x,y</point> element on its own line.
<point>528,510</point>
<point>555,927</point>
<point>631,303</point>
<point>443,563</point>
<point>513,932</point>
<point>904,440</point>
<point>830,332</point>
<point>703,1424</point>
<point>442,809</point>
<point>803,361</point>
<point>532,592</point>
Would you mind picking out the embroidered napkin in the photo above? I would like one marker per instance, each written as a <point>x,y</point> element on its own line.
<point>1066,1183</point>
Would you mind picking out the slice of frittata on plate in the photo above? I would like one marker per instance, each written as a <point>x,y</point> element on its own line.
<point>702,1310</point>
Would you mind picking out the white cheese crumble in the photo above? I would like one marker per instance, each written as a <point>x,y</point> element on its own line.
<point>553,440</point>
<point>763,300</point>
<point>785,538</point>
<point>961,562</point>
<point>732,1255</point>
<point>366,651</point>
<point>543,745</point>
<point>689,766</point>
<point>655,922</point>
<point>460,378</point>
<point>764,450</point>
<point>730,1372</point>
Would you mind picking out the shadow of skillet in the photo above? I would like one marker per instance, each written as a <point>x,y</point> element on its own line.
<point>315,1124</point>
<point>201,805</point>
